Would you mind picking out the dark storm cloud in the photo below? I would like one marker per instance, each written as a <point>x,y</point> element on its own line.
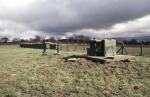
<point>70,15</point>
<point>60,16</point>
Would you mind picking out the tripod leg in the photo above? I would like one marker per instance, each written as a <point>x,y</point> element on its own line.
<point>125,50</point>
<point>119,50</point>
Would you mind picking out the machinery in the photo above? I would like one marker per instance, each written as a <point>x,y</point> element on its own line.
<point>103,48</point>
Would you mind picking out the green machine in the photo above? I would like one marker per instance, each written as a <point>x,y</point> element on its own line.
<point>103,48</point>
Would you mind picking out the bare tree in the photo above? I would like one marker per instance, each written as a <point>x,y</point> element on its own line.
<point>38,38</point>
<point>52,39</point>
<point>16,40</point>
<point>4,39</point>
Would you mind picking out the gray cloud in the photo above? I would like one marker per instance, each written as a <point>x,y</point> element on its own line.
<point>61,16</point>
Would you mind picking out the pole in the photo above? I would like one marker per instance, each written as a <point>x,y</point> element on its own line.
<point>84,45</point>
<point>57,47</point>
<point>141,54</point>
<point>122,48</point>
<point>67,44</point>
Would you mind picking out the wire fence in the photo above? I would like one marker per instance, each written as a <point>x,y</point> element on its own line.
<point>132,49</point>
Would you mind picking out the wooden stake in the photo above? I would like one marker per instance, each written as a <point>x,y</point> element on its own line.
<point>141,53</point>
<point>122,48</point>
<point>84,45</point>
<point>75,48</point>
<point>67,45</point>
<point>57,47</point>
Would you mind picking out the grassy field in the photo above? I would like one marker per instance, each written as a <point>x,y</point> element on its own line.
<point>26,73</point>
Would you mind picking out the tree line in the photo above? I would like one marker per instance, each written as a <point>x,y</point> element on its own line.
<point>135,41</point>
<point>71,39</point>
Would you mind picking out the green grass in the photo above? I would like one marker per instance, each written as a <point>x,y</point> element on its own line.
<point>26,73</point>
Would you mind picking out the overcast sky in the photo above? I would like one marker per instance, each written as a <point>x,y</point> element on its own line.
<point>98,18</point>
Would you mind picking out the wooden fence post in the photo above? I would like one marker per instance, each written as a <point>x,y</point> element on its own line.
<point>67,45</point>
<point>57,47</point>
<point>75,48</point>
<point>84,45</point>
<point>122,48</point>
<point>141,53</point>
<point>61,46</point>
